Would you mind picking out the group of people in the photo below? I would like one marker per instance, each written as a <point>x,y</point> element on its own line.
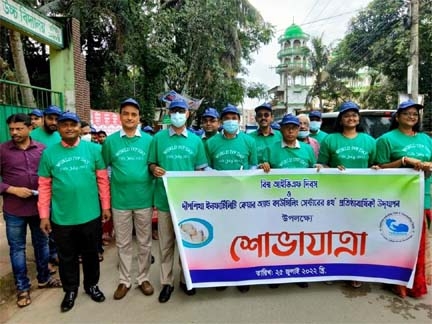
<point>62,188</point>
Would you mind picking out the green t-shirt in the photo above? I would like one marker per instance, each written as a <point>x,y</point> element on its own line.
<point>75,197</point>
<point>175,153</point>
<point>131,183</point>
<point>263,142</point>
<point>394,145</point>
<point>238,153</point>
<point>290,157</point>
<point>357,152</point>
<point>319,136</point>
<point>40,135</point>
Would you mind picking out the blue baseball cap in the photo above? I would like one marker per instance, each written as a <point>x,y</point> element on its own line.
<point>265,105</point>
<point>130,101</point>
<point>178,104</point>
<point>93,130</point>
<point>68,116</point>
<point>348,105</point>
<point>148,129</point>
<point>275,126</point>
<point>289,119</point>
<point>36,112</point>
<point>230,109</point>
<point>408,104</point>
<point>52,110</point>
<point>315,113</point>
<point>210,112</point>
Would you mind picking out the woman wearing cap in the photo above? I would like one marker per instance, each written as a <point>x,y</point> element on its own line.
<point>347,147</point>
<point>405,147</point>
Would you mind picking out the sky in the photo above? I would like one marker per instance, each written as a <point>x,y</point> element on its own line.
<point>329,18</point>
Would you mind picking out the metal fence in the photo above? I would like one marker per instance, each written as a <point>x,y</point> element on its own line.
<point>12,101</point>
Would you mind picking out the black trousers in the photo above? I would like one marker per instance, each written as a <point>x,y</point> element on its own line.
<point>73,241</point>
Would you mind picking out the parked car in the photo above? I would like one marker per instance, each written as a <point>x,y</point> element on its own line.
<point>372,122</point>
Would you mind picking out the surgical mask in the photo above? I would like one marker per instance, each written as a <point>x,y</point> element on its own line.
<point>314,126</point>
<point>86,137</point>
<point>231,126</point>
<point>178,120</point>
<point>303,134</point>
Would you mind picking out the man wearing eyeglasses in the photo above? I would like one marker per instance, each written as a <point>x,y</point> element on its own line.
<point>265,135</point>
<point>210,123</point>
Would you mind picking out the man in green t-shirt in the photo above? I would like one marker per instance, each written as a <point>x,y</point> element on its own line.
<point>48,135</point>
<point>73,180</point>
<point>232,150</point>
<point>289,152</point>
<point>265,135</point>
<point>172,149</point>
<point>126,152</point>
<point>210,123</point>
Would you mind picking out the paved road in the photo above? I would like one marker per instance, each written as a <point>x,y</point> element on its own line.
<point>320,303</point>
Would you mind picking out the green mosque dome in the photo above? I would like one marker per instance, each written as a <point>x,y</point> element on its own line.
<point>293,32</point>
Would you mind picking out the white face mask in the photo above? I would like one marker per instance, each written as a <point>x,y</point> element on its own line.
<point>303,134</point>
<point>86,137</point>
<point>314,126</point>
<point>178,120</point>
<point>231,126</point>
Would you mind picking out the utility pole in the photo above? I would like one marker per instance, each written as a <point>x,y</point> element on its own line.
<point>414,50</point>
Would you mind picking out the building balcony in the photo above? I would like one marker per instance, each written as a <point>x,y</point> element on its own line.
<point>294,68</point>
<point>292,51</point>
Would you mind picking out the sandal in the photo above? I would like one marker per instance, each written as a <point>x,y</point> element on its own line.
<point>51,283</point>
<point>23,299</point>
<point>356,284</point>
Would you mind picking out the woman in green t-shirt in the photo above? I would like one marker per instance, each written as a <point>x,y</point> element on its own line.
<point>405,146</point>
<point>348,147</point>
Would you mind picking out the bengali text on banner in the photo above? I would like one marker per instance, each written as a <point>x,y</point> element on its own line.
<point>296,225</point>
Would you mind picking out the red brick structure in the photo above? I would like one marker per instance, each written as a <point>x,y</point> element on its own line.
<point>82,86</point>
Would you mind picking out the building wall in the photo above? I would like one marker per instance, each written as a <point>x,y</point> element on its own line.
<point>82,86</point>
<point>68,73</point>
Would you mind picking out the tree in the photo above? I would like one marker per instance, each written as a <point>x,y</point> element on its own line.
<point>257,90</point>
<point>319,58</point>
<point>205,43</point>
<point>21,68</point>
<point>378,37</point>
<point>196,47</point>
<point>329,73</point>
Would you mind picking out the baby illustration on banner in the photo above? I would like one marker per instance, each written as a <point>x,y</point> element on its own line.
<point>191,234</point>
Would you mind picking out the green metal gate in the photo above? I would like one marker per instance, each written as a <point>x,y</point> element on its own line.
<point>11,102</point>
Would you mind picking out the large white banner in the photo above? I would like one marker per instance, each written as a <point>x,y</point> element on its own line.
<point>296,225</point>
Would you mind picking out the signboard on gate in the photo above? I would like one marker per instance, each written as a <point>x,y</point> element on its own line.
<point>14,15</point>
